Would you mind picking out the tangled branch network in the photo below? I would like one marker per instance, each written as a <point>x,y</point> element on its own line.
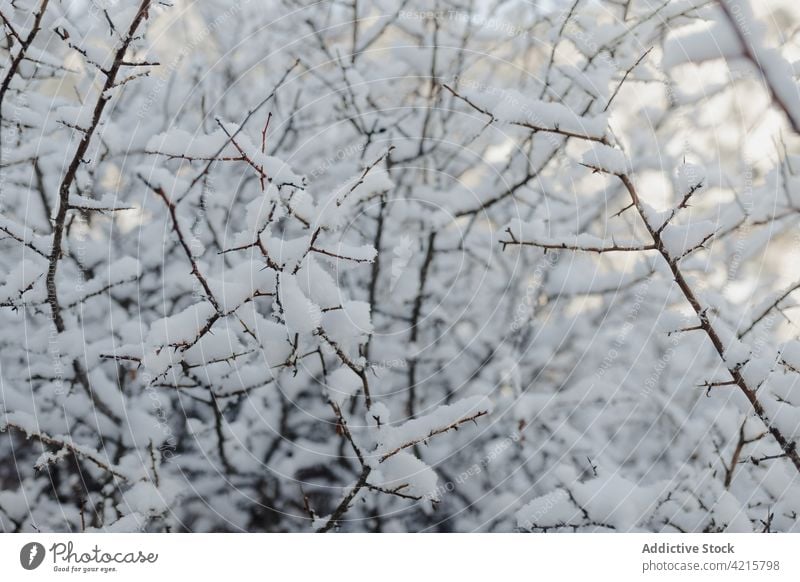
<point>380,265</point>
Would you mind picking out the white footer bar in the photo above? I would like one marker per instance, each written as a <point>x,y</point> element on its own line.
<point>397,557</point>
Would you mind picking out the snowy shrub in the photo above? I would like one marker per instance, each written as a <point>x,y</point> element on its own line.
<point>399,266</point>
